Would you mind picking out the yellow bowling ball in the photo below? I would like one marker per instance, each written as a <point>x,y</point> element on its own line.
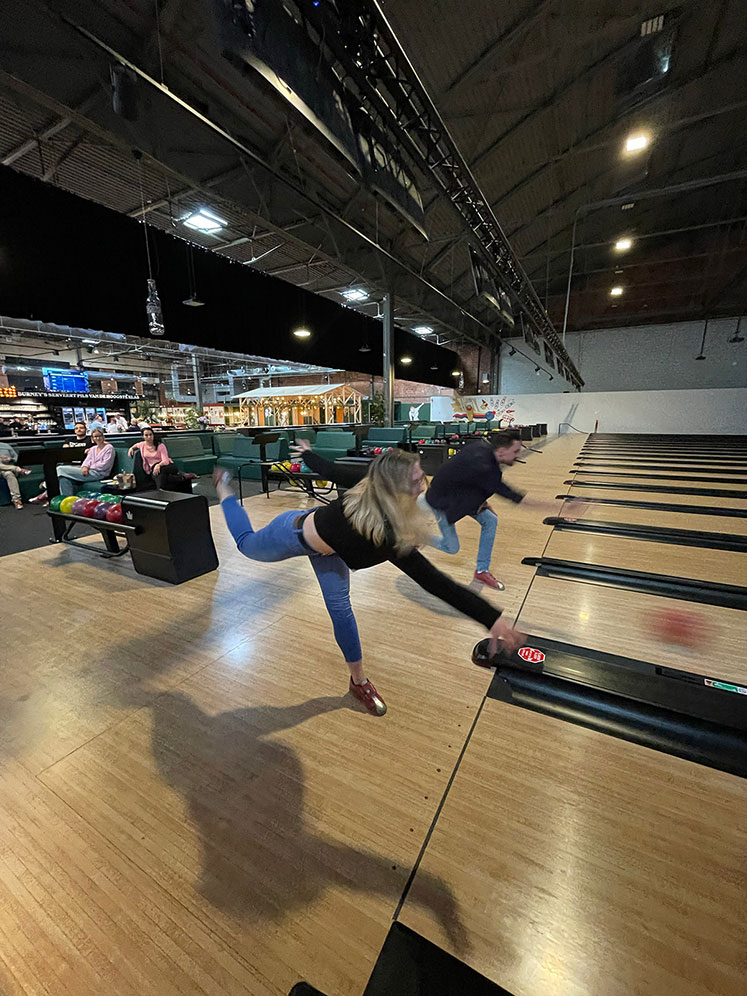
<point>66,505</point>
<point>320,484</point>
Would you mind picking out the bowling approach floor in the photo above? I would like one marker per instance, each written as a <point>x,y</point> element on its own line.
<point>191,806</point>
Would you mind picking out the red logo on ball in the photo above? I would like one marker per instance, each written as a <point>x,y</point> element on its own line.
<point>531,654</point>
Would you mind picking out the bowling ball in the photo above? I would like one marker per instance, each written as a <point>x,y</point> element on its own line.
<point>114,514</point>
<point>112,499</point>
<point>295,468</point>
<point>66,505</point>
<point>89,506</point>
<point>687,629</point>
<point>101,509</point>
<point>377,450</point>
<point>421,442</point>
<point>452,452</point>
<point>455,436</point>
<point>78,506</point>
<point>56,502</point>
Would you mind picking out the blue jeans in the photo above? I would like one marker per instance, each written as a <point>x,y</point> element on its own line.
<point>449,541</point>
<point>279,540</point>
<point>67,477</point>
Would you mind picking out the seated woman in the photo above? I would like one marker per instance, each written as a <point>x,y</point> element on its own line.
<point>96,467</point>
<point>151,459</point>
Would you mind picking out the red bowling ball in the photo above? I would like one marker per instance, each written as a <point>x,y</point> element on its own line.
<point>114,514</point>
<point>101,509</point>
<point>295,468</point>
<point>377,450</point>
<point>90,507</point>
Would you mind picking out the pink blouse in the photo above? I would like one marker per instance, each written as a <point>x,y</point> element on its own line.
<point>161,455</point>
<point>101,460</point>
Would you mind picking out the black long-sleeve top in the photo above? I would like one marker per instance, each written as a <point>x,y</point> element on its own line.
<point>358,552</point>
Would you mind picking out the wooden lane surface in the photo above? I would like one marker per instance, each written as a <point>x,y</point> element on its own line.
<point>589,866</point>
<point>617,494</point>
<point>619,622</point>
<point>191,803</point>
<point>736,471</point>
<point>655,517</point>
<point>674,482</point>
<point>722,566</point>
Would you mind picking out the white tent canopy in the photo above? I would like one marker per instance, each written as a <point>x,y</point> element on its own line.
<point>294,391</point>
<point>325,402</point>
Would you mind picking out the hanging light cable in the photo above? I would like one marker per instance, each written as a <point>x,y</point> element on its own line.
<point>153,308</point>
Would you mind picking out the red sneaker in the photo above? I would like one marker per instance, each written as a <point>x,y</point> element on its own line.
<point>485,577</point>
<point>370,698</point>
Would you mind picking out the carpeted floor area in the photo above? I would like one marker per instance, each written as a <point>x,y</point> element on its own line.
<point>29,527</point>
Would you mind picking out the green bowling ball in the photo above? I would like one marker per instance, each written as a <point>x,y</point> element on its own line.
<point>56,502</point>
<point>107,497</point>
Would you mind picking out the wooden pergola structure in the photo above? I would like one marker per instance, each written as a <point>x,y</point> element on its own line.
<point>290,405</point>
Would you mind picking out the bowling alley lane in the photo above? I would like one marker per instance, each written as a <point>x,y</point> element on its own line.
<point>601,489</point>
<point>665,479</point>
<point>618,621</point>
<point>722,566</point>
<point>661,518</point>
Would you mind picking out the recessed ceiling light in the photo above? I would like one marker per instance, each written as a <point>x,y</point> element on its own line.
<point>456,373</point>
<point>616,291</point>
<point>301,333</point>
<point>636,142</point>
<point>204,221</point>
<point>622,245</point>
<point>355,294</point>
<point>423,330</point>
<point>405,359</point>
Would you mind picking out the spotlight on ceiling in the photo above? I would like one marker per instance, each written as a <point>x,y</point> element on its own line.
<point>301,333</point>
<point>637,142</point>
<point>616,291</point>
<point>737,337</point>
<point>423,330</point>
<point>512,351</point>
<point>204,221</point>
<point>550,376</point>
<point>193,301</point>
<point>365,348</point>
<point>405,359</point>
<point>622,245</point>
<point>537,371</point>
<point>434,366</point>
<point>456,373</point>
<point>700,356</point>
<point>355,294</point>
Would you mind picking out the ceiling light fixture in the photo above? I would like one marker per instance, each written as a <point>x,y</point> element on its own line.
<point>616,291</point>
<point>537,371</point>
<point>423,330</point>
<point>622,245</point>
<point>637,142</point>
<point>204,221</point>
<point>701,354</point>
<point>456,373</point>
<point>365,348</point>
<point>512,351</point>
<point>301,333</point>
<point>405,359</point>
<point>627,206</point>
<point>355,294</point>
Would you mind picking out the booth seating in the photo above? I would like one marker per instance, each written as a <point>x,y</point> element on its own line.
<point>386,436</point>
<point>189,456</point>
<point>424,432</point>
<point>309,434</point>
<point>332,445</point>
<point>223,444</point>
<point>247,457</point>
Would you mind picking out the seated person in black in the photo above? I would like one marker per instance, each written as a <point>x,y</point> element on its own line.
<point>376,521</point>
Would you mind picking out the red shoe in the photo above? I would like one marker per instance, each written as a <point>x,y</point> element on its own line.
<point>485,577</point>
<point>370,698</point>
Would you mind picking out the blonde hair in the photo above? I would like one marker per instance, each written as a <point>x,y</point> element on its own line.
<point>383,508</point>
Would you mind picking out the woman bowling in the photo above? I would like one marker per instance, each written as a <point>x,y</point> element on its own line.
<point>377,520</point>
